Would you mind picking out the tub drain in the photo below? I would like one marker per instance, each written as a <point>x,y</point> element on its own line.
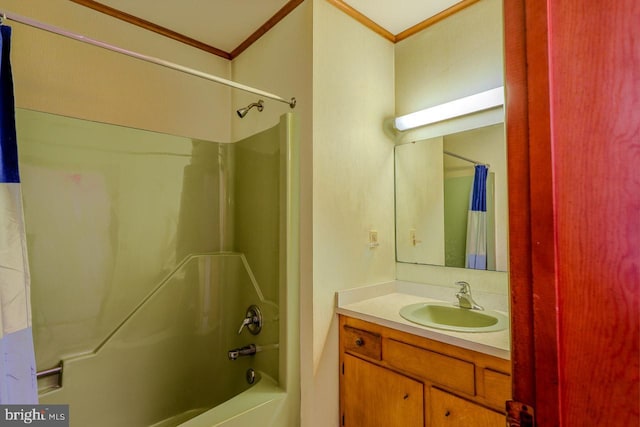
<point>251,376</point>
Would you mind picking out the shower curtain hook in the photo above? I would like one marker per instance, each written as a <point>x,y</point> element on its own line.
<point>3,18</point>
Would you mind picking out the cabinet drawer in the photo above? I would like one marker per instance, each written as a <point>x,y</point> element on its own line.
<point>438,368</point>
<point>451,411</point>
<point>497,387</point>
<point>362,342</point>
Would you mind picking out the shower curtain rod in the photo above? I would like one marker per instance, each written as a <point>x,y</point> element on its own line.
<point>449,153</point>
<point>56,30</point>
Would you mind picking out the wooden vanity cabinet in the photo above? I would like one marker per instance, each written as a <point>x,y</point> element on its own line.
<point>390,378</point>
<point>379,397</point>
<point>446,409</point>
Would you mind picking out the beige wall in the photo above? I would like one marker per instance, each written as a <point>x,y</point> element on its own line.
<point>59,75</point>
<point>280,63</point>
<point>352,184</point>
<point>443,63</point>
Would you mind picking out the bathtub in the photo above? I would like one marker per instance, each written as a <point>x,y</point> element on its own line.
<point>260,405</point>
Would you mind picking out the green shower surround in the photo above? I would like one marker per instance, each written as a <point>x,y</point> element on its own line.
<point>111,212</point>
<point>256,209</point>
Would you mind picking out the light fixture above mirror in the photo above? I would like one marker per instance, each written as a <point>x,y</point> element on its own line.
<point>460,107</point>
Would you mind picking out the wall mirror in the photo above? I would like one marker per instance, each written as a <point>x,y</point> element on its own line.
<point>433,182</point>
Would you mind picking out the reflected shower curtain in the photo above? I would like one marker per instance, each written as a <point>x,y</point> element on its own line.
<point>18,383</point>
<point>476,254</point>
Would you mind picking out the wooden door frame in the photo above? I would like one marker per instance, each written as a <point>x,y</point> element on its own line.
<point>532,248</point>
<point>573,114</point>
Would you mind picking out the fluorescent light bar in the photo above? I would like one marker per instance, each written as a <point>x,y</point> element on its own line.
<point>460,107</point>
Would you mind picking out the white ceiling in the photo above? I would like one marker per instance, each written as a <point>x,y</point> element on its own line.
<point>396,16</point>
<point>225,24</point>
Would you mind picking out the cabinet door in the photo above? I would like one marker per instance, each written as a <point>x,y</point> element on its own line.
<point>377,397</point>
<point>447,410</point>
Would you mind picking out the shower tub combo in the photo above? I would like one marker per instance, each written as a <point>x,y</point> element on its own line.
<point>206,343</point>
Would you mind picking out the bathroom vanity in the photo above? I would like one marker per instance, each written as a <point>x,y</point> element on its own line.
<point>395,373</point>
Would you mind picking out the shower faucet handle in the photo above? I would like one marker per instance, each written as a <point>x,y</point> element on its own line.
<point>246,322</point>
<point>252,320</point>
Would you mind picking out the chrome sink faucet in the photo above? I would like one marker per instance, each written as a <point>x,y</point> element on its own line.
<point>465,300</point>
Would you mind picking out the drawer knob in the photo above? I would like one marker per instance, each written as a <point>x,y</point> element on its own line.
<point>359,342</point>
<point>446,414</point>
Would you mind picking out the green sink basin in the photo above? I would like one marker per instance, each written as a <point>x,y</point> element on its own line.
<point>453,318</point>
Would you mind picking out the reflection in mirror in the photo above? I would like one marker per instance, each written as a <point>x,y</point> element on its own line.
<point>434,179</point>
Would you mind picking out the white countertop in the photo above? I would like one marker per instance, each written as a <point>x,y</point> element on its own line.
<point>381,304</point>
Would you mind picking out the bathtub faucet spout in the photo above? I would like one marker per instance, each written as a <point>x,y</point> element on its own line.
<point>247,350</point>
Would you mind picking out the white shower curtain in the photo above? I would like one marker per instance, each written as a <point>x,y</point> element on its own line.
<point>18,382</point>
<point>476,254</point>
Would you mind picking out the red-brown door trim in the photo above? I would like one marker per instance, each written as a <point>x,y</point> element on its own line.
<point>531,216</point>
